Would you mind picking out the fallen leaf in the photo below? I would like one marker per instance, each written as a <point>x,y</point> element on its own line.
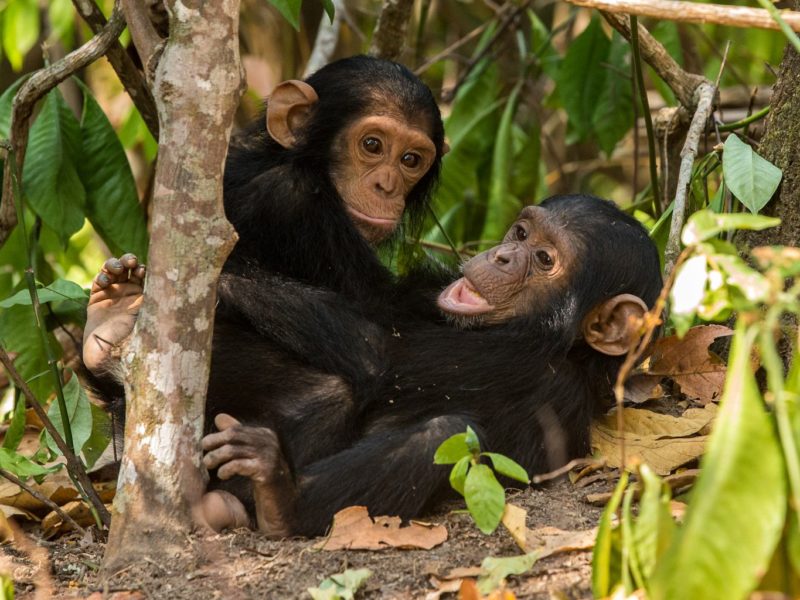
<point>546,541</point>
<point>463,572</point>
<point>514,521</point>
<point>53,525</point>
<point>341,586</point>
<point>443,587</point>
<point>354,529</point>
<point>498,569</point>
<point>641,423</point>
<point>699,372</point>
<point>6,533</point>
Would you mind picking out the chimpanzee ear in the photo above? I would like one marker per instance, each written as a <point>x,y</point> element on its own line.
<point>611,326</point>
<point>288,108</point>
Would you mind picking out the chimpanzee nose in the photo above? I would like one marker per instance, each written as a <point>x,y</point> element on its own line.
<point>503,255</point>
<point>385,182</point>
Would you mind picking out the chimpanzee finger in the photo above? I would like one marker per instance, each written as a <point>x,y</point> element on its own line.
<point>240,435</point>
<point>246,467</point>
<point>224,421</point>
<point>227,453</point>
<point>114,266</point>
<point>129,261</point>
<point>137,275</point>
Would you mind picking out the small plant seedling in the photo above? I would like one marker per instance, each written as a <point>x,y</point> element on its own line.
<point>485,497</point>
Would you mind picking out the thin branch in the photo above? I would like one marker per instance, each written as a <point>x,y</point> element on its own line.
<point>694,12</point>
<point>130,76</point>
<point>74,466</point>
<point>32,91</point>
<point>43,499</point>
<point>389,36</point>
<point>327,38</point>
<point>148,43</point>
<point>451,48</point>
<point>705,94</point>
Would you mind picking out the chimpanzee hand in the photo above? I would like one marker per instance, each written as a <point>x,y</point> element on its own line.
<point>255,453</point>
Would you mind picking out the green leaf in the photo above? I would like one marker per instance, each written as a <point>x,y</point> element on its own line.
<point>290,9</point>
<point>502,207</point>
<point>100,438</point>
<point>20,30</point>
<point>509,468</point>
<point>16,429</point>
<point>737,507</point>
<point>654,527</point>
<point>498,569</point>
<point>451,450</point>
<point>50,178</point>
<point>62,19</point>
<point>613,113</point>
<point>112,202</point>
<point>582,77</point>
<point>79,413</point>
<point>752,285</point>
<point>458,474</point>
<point>341,586</point>
<point>752,179</point>
<point>329,8</point>
<point>60,289</point>
<point>471,439</point>
<point>704,225</point>
<point>21,466</point>
<point>602,575</point>
<point>6,103</point>
<point>485,497</point>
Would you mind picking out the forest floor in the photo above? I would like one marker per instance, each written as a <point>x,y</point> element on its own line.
<point>243,564</point>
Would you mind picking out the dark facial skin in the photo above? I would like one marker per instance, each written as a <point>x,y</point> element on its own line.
<point>517,277</point>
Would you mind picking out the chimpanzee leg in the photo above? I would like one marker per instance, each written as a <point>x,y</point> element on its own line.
<point>391,472</point>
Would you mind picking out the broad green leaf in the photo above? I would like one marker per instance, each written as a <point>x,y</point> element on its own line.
<point>6,101</point>
<point>704,225</point>
<point>752,179</point>
<point>754,286</point>
<point>509,468</point>
<point>100,438</point>
<point>16,429</point>
<point>497,569</point>
<point>737,507</point>
<point>6,587</point>
<point>60,289</point>
<point>485,497</point>
<point>21,466</point>
<point>341,586</point>
<point>290,9</point>
<point>458,474</point>
<point>613,114</point>
<point>654,527</point>
<point>19,335</point>
<point>79,413</point>
<point>503,207</point>
<point>451,450</point>
<point>329,8</point>
<point>471,439</point>
<point>62,19</point>
<point>20,30</point>
<point>602,554</point>
<point>581,78</point>
<point>112,202</point>
<point>50,178</point>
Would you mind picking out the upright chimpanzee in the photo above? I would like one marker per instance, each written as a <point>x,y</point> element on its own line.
<point>542,323</point>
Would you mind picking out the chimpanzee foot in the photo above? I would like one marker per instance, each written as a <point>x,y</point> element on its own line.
<point>114,302</point>
<point>255,453</point>
<point>223,510</point>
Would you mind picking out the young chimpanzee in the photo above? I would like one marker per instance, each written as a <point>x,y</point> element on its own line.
<point>542,322</point>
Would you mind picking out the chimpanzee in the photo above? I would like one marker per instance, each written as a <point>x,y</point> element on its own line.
<point>539,326</point>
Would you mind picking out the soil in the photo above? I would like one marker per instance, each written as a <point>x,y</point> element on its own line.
<point>243,564</point>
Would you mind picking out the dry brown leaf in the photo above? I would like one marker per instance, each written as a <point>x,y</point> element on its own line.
<point>52,524</point>
<point>443,587</point>
<point>354,529</point>
<point>699,372</point>
<point>642,423</point>
<point>546,541</point>
<point>643,387</point>
<point>6,533</point>
<point>663,455</point>
<point>514,522</point>
<point>464,572</point>
<point>57,487</point>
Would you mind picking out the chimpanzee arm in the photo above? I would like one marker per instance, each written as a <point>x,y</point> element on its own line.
<point>313,324</point>
<point>391,473</point>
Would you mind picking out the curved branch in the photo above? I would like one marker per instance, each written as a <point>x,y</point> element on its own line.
<point>389,36</point>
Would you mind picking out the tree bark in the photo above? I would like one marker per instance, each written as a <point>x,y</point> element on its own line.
<point>197,86</point>
<point>389,36</point>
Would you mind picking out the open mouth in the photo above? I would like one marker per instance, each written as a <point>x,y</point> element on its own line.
<point>461,298</point>
<point>380,223</point>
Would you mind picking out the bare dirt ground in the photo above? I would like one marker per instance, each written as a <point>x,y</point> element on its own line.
<point>242,564</point>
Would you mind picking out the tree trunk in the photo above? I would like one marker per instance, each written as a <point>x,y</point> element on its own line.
<point>197,86</point>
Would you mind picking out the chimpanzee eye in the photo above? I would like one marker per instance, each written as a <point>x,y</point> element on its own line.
<point>544,259</point>
<point>372,145</point>
<point>410,160</point>
<point>520,233</point>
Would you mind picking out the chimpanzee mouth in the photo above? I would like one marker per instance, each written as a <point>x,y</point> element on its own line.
<point>379,222</point>
<point>461,298</point>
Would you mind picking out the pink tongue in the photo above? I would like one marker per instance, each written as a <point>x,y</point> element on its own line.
<point>461,298</point>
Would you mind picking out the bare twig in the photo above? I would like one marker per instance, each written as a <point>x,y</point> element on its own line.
<point>705,103</point>
<point>34,89</point>
<point>130,76</point>
<point>389,36</point>
<point>451,48</point>
<point>695,12</point>
<point>43,499</point>
<point>74,466</point>
<point>145,37</point>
